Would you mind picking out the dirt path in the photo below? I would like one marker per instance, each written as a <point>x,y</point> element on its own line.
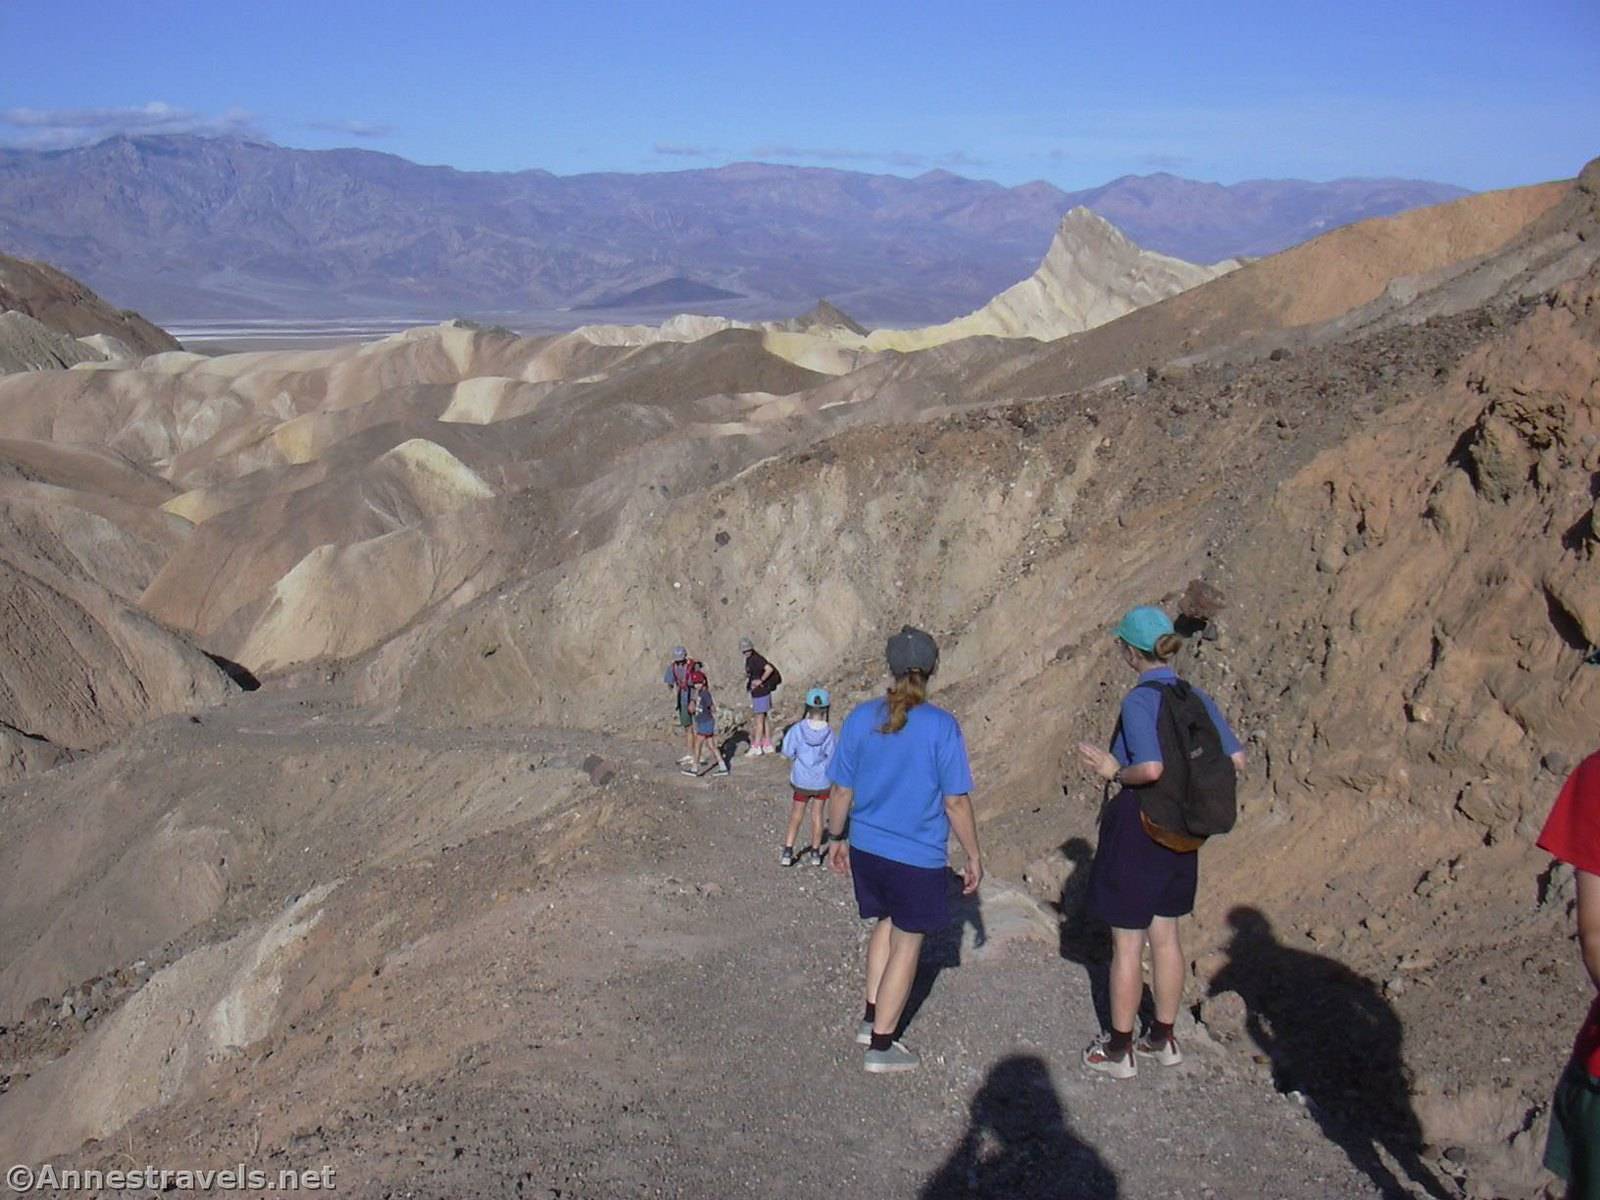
<point>753,1026</point>
<point>671,1013</point>
<point>705,1050</point>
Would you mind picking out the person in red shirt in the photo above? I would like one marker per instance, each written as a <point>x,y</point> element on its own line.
<point>1572,834</point>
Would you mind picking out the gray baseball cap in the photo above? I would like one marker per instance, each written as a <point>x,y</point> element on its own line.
<point>746,645</point>
<point>679,654</point>
<point>912,650</point>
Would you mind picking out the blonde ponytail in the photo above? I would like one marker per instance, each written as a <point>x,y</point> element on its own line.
<point>908,691</point>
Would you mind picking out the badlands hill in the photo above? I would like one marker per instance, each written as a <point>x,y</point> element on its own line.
<point>48,320</point>
<point>1091,274</point>
<point>431,904</point>
<point>192,227</point>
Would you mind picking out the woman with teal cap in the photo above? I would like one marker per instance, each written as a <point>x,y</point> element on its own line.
<point>1140,885</point>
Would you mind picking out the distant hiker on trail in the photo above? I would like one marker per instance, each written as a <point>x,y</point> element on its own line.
<point>760,678</point>
<point>902,780</point>
<point>705,726</point>
<point>676,677</point>
<point>810,744</point>
<point>1572,834</point>
<point>1145,872</point>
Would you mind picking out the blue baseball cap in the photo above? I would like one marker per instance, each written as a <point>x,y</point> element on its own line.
<point>1143,627</point>
<point>817,698</point>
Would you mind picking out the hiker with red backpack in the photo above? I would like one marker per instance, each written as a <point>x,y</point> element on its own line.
<point>1175,760</point>
<point>676,677</point>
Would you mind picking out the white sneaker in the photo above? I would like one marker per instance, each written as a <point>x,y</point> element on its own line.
<point>754,752</point>
<point>686,759</point>
<point>1096,1057</point>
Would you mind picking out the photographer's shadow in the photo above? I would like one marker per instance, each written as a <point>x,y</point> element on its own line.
<point>1018,1145</point>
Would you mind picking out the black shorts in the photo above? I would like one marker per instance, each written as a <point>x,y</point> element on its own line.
<point>1133,880</point>
<point>915,899</point>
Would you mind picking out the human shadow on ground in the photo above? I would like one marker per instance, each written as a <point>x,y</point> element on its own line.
<point>1018,1145</point>
<point>1330,1035</point>
<point>942,950</point>
<point>1085,941</point>
<point>729,746</point>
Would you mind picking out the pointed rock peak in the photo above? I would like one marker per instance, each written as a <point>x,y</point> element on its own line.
<point>1081,218</point>
<point>828,316</point>
<point>1083,231</point>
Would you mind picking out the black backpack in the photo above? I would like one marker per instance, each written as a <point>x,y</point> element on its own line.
<point>774,679</point>
<point>1198,792</point>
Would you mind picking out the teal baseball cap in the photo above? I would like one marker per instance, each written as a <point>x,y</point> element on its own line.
<point>1143,627</point>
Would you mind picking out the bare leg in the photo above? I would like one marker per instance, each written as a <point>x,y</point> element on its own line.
<point>796,811</point>
<point>894,982</point>
<point>688,740</point>
<point>1166,968</point>
<point>1127,980</point>
<point>816,823</point>
<point>877,957</point>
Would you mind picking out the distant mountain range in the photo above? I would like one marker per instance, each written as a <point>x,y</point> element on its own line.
<point>187,227</point>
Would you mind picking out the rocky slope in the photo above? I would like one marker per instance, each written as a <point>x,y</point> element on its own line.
<point>49,320</point>
<point>1276,302</point>
<point>67,306</point>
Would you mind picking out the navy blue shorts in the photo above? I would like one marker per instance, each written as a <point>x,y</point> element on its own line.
<point>1133,880</point>
<point>915,899</point>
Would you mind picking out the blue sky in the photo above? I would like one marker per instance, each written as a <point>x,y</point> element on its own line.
<point>1481,94</point>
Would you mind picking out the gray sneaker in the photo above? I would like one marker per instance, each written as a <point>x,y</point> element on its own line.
<point>864,1034</point>
<point>895,1058</point>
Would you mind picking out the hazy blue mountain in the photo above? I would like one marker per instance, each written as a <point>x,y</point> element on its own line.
<point>191,227</point>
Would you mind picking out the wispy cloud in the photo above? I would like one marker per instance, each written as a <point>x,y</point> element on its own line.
<point>58,128</point>
<point>679,150</point>
<point>360,129</point>
<point>893,158</point>
<point>960,158</point>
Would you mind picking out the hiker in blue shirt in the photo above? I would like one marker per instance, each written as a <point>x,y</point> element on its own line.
<point>900,776</point>
<point>1143,877</point>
